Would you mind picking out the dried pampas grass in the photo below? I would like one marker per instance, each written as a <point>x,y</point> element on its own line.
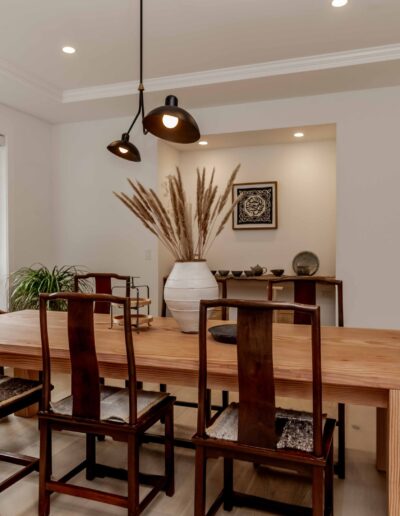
<point>186,237</point>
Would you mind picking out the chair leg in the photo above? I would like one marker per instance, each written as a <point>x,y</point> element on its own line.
<point>200,482</point>
<point>225,398</point>
<point>90,456</point>
<point>133,476</point>
<point>341,466</point>
<point>228,484</point>
<point>44,469</point>
<point>169,452</point>
<point>163,388</point>
<point>208,405</point>
<point>329,484</point>
<point>318,492</point>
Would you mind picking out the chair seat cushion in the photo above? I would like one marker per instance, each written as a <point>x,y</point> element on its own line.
<point>14,389</point>
<point>294,428</point>
<point>114,404</point>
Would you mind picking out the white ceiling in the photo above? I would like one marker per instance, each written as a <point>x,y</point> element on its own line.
<point>195,41</point>
<point>312,133</point>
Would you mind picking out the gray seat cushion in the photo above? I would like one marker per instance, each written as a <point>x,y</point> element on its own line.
<point>114,404</point>
<point>13,389</point>
<point>294,428</point>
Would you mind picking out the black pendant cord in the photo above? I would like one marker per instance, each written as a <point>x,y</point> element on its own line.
<point>141,87</point>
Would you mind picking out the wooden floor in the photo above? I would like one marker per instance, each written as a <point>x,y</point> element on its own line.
<point>361,494</point>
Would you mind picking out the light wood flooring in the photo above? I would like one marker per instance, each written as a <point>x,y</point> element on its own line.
<point>363,493</point>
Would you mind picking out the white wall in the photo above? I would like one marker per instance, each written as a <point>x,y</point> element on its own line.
<point>368,182</point>
<point>4,270</point>
<point>168,160</point>
<point>93,228</point>
<point>27,176</point>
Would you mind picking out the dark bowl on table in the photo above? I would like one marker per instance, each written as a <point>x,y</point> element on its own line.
<point>237,274</point>
<point>223,274</point>
<point>249,274</point>
<point>277,272</point>
<point>213,273</point>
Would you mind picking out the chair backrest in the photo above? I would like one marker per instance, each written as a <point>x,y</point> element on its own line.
<point>103,285</point>
<point>305,292</point>
<point>256,379</point>
<point>85,380</point>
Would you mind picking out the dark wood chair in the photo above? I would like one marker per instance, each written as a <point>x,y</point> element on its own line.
<point>93,409</point>
<point>254,429</point>
<point>103,285</point>
<point>17,394</point>
<point>305,291</point>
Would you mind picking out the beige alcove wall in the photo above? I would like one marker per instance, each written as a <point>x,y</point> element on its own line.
<point>305,170</point>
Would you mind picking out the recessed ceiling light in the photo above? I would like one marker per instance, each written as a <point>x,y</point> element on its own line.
<point>339,3</point>
<point>298,135</point>
<point>203,142</point>
<point>69,50</point>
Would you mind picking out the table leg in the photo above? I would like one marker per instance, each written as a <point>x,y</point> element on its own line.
<point>381,439</point>
<point>31,375</point>
<point>393,478</point>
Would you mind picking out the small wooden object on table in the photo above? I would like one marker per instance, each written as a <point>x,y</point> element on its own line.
<point>137,303</point>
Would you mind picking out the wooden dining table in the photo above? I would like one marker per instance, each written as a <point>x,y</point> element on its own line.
<point>359,366</point>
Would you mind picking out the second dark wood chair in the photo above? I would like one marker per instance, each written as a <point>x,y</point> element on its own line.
<point>103,285</point>
<point>124,414</point>
<point>305,291</point>
<point>17,394</point>
<point>254,429</point>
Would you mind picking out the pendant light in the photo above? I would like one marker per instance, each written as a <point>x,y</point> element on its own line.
<point>168,122</point>
<point>172,123</point>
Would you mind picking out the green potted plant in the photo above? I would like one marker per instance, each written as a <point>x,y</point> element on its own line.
<point>27,283</point>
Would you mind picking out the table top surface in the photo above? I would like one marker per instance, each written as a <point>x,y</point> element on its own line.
<point>350,356</point>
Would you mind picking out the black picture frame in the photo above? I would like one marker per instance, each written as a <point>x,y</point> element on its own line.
<point>258,207</point>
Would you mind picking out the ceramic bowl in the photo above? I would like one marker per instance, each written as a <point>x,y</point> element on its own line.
<point>237,274</point>
<point>223,273</point>
<point>249,274</point>
<point>303,270</point>
<point>277,272</point>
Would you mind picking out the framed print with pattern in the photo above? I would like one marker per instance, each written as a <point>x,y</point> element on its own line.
<point>257,208</point>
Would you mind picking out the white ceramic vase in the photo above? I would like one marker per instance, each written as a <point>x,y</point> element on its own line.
<point>187,284</point>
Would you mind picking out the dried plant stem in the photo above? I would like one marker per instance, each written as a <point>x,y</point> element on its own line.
<point>186,237</point>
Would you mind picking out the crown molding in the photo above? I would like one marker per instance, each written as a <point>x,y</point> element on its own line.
<point>239,73</point>
<point>203,78</point>
<point>10,72</point>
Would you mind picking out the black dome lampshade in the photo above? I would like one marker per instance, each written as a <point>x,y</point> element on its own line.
<point>172,123</point>
<point>123,148</point>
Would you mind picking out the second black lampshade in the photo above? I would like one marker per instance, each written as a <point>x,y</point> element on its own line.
<point>172,123</point>
<point>123,148</point>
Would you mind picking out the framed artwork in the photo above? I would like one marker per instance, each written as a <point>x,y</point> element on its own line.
<point>257,209</point>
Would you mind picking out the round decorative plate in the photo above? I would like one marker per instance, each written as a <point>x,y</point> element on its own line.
<point>225,333</point>
<point>305,263</point>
